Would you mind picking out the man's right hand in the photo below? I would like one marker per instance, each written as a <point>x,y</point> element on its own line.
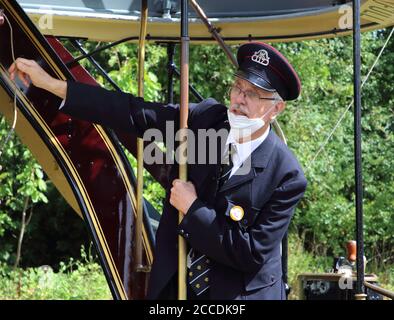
<point>30,71</point>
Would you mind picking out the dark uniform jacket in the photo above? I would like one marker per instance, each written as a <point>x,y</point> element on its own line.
<point>245,254</point>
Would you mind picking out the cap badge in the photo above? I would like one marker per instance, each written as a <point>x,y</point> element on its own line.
<point>236,213</point>
<point>261,57</point>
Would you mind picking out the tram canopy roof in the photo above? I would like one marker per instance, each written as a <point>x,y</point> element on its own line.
<point>271,20</point>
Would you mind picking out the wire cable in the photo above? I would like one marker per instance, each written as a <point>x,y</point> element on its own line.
<point>323,145</point>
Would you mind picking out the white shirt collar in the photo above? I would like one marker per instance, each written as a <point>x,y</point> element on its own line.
<point>243,150</point>
<point>256,142</point>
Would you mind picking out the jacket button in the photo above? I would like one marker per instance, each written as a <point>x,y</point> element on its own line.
<point>186,235</point>
<point>182,232</point>
<point>272,278</point>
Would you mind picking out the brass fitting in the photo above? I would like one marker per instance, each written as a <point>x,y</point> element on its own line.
<point>1,18</point>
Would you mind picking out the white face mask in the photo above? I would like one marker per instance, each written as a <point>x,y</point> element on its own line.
<point>242,126</point>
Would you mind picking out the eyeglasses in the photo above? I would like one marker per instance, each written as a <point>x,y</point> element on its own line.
<point>249,94</point>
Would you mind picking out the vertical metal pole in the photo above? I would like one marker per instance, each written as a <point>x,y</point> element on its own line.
<point>170,71</point>
<point>173,71</point>
<point>357,147</point>
<point>182,292</point>
<point>285,262</point>
<point>140,145</point>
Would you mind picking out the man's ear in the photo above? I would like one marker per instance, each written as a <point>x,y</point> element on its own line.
<point>279,107</point>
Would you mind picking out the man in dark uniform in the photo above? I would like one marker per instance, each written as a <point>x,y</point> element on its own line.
<point>236,212</point>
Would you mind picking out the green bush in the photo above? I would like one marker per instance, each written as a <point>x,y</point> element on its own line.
<point>76,280</point>
<point>83,279</point>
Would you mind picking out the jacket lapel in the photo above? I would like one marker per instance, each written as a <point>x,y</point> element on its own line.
<point>258,159</point>
<point>199,173</point>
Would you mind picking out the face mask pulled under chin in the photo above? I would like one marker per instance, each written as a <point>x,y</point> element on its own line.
<point>242,126</point>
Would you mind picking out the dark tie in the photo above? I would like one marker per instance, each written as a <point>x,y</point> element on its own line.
<point>226,167</point>
<point>198,275</point>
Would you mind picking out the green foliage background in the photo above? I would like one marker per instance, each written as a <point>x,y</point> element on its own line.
<point>325,218</point>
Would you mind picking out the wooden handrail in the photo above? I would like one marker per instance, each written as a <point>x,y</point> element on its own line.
<point>382,291</point>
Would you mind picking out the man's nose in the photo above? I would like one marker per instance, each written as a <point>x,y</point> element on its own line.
<point>241,98</point>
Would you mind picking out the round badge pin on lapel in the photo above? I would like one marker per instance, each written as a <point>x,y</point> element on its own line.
<point>236,213</point>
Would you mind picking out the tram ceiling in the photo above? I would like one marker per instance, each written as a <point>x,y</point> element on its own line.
<point>237,21</point>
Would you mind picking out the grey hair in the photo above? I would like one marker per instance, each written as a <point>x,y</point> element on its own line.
<point>277,96</point>
<point>278,99</point>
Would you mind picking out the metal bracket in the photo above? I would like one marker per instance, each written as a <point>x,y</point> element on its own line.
<point>143,268</point>
<point>360,296</point>
<point>1,17</point>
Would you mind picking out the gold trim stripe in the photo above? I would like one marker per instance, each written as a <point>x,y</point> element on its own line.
<point>128,186</point>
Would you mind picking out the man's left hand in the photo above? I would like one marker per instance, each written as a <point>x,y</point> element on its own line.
<point>183,194</point>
